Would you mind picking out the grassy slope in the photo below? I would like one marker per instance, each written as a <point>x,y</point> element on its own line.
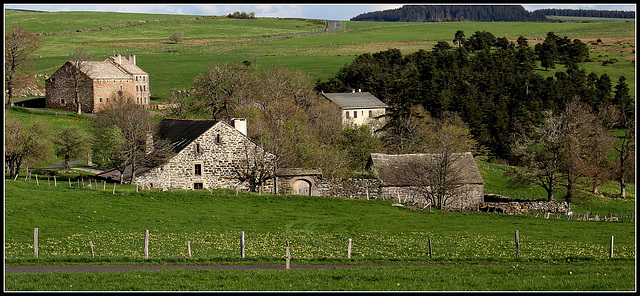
<point>208,41</point>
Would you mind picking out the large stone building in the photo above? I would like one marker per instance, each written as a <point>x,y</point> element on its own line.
<point>358,108</point>
<point>210,155</point>
<point>97,84</point>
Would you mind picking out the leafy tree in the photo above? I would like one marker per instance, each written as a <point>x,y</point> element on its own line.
<point>176,37</point>
<point>23,144</point>
<point>539,153</point>
<point>71,142</point>
<point>19,44</point>
<point>459,38</point>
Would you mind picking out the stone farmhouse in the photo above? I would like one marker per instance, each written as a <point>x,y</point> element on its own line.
<point>98,84</point>
<point>358,108</point>
<point>209,155</point>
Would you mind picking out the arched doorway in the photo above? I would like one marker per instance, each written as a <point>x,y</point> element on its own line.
<point>301,187</point>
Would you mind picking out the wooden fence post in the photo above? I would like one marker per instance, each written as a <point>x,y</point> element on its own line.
<point>349,249</point>
<point>241,244</point>
<point>35,242</point>
<point>91,246</point>
<point>517,244</point>
<point>114,188</point>
<point>37,182</point>
<point>430,252</point>
<point>146,244</point>
<point>189,248</point>
<point>288,257</point>
<point>55,182</point>
<point>611,248</point>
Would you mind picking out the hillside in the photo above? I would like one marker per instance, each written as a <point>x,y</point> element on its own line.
<point>439,13</point>
<point>217,40</point>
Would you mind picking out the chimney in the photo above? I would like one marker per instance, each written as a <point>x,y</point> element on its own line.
<point>240,124</point>
<point>132,59</point>
<point>149,142</point>
<point>119,59</point>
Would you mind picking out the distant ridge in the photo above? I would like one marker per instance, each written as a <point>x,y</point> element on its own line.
<point>439,13</point>
<point>586,13</point>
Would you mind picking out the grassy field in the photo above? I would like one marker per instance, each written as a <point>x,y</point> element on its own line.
<point>571,254</point>
<point>216,40</point>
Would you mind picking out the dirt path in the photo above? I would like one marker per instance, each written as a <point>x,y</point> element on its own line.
<point>112,268</point>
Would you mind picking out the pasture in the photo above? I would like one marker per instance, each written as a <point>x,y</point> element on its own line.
<point>317,229</point>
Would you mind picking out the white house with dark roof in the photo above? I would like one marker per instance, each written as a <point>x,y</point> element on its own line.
<point>358,108</point>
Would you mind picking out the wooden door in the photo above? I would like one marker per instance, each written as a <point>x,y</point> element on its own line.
<point>301,187</point>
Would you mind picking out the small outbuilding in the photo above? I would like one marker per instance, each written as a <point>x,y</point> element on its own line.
<point>397,175</point>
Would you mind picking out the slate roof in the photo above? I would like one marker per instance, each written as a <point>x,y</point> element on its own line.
<point>355,100</point>
<point>103,70</point>
<point>394,169</point>
<point>111,69</point>
<point>181,132</point>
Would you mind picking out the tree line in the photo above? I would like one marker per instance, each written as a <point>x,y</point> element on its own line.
<point>585,13</point>
<point>439,13</point>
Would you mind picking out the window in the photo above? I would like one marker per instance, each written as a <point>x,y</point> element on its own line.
<point>198,148</point>
<point>370,113</point>
<point>100,100</point>
<point>197,169</point>
<point>218,139</point>
<point>197,186</point>
<point>355,114</point>
<point>62,101</point>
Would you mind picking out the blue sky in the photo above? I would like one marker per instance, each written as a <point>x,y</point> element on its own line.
<point>313,11</point>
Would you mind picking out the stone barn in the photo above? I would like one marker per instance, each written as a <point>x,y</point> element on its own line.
<point>97,84</point>
<point>210,155</point>
<point>395,173</point>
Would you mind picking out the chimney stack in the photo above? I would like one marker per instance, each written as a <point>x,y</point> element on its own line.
<point>119,59</point>
<point>132,59</point>
<point>240,124</point>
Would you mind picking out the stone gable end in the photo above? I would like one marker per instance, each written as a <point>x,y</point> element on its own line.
<point>213,155</point>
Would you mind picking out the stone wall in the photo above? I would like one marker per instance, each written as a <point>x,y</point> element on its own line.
<point>350,188</point>
<point>502,204</point>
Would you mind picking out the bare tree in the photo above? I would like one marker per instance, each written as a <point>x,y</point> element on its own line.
<point>220,89</point>
<point>79,80</point>
<point>440,174</point>
<point>625,160</point>
<point>23,145</point>
<point>254,166</point>
<point>18,45</point>
<point>129,138</point>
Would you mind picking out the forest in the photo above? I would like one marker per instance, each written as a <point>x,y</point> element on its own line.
<point>438,13</point>
<point>586,13</point>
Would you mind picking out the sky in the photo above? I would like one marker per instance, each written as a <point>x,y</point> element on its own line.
<point>311,11</point>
